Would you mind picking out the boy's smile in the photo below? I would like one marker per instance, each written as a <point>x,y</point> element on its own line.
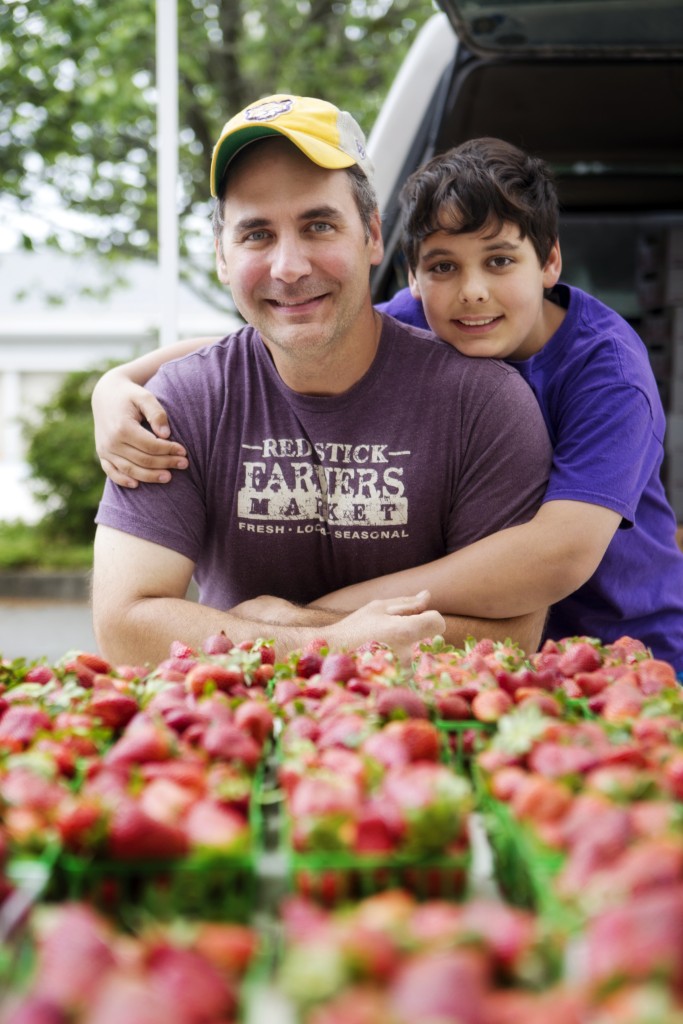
<point>483,292</point>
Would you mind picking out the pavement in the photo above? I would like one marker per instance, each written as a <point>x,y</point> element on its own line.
<point>44,628</point>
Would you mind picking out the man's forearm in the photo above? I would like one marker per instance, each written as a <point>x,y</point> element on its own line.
<point>145,633</point>
<point>525,630</point>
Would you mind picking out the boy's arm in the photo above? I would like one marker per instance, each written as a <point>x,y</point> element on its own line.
<point>139,607</point>
<point>128,452</point>
<point>509,573</point>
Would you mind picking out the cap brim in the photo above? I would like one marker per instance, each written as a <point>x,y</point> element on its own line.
<point>226,149</point>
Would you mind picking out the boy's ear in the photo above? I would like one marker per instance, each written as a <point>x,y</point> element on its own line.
<point>413,285</point>
<point>553,266</point>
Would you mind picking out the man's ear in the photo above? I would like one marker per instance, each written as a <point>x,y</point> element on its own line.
<point>376,242</point>
<point>553,266</point>
<point>413,285</point>
<point>221,265</point>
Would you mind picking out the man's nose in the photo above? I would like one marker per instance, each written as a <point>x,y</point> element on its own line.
<point>290,260</point>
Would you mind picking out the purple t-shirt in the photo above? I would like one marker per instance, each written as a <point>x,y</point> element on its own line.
<point>603,412</point>
<point>296,495</point>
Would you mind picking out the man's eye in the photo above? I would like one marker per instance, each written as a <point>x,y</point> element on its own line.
<point>256,236</point>
<point>320,227</point>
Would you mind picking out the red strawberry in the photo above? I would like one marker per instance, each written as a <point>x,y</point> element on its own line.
<point>191,984</point>
<point>421,739</point>
<point>579,656</point>
<point>256,717</point>
<point>178,649</point>
<point>338,667</point>
<point>452,707</point>
<point>308,665</point>
<point>40,674</point>
<point>208,674</point>
<point>143,740</point>
<point>113,708</point>
<point>210,825</point>
<point>491,705</point>
<point>81,823</point>
<point>227,742</point>
<point>654,676</point>
<point>443,985</point>
<point>20,724</point>
<point>231,947</point>
<point>217,643</point>
<point>400,702</point>
<point>135,835</point>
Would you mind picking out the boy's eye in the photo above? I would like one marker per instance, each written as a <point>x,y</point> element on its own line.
<point>501,261</point>
<point>443,268</point>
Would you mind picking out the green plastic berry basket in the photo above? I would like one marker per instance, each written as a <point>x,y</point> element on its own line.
<point>463,739</point>
<point>335,877</point>
<point>207,884</point>
<point>526,869</point>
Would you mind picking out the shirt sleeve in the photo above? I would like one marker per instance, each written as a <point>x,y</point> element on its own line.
<point>506,463</point>
<point>606,449</point>
<point>172,515</point>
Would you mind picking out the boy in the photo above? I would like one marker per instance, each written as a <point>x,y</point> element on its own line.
<point>481,240</point>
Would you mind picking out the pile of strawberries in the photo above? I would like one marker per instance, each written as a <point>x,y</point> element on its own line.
<point>573,761</point>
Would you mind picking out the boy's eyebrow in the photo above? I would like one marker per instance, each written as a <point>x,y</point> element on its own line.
<point>430,254</point>
<point>325,212</point>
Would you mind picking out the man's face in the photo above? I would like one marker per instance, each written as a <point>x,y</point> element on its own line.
<point>294,252</point>
<point>483,291</point>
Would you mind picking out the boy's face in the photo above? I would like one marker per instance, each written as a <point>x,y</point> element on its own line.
<point>483,292</point>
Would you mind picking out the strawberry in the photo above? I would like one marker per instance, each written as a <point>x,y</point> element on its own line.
<point>434,803</point>
<point>113,708</point>
<point>441,985</point>
<point>135,835</point>
<point>178,649</point>
<point>655,676</point>
<point>217,643</point>
<point>209,825</point>
<point>189,983</point>
<point>40,674</point>
<point>491,705</point>
<point>228,742</point>
<point>20,724</point>
<point>143,740</point>
<point>256,717</point>
<point>308,665</point>
<point>400,702</point>
<point>205,675</point>
<point>578,656</point>
<point>231,947</point>
<point>421,739</point>
<point>128,996</point>
<point>452,706</point>
<point>338,667</point>
<point>81,823</point>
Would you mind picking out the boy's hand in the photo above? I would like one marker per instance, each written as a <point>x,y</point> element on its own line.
<point>128,452</point>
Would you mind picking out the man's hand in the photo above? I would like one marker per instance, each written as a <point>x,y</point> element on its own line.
<point>128,452</point>
<point>400,622</point>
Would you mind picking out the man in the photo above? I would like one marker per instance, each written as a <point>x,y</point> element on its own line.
<point>327,445</point>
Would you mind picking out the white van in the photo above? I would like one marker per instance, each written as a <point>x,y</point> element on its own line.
<point>594,87</point>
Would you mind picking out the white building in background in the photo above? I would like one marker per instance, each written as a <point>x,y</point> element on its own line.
<point>53,319</point>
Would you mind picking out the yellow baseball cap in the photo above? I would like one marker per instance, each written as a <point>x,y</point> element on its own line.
<point>326,135</point>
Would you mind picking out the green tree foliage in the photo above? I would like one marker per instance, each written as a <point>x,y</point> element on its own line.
<point>78,101</point>
<point>66,473</point>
